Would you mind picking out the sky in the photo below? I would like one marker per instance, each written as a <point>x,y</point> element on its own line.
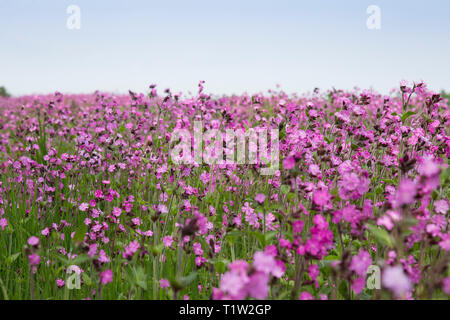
<point>236,46</point>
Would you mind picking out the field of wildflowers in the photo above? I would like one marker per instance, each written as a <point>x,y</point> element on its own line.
<point>92,205</point>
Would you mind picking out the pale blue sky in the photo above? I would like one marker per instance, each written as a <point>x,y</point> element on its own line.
<point>234,45</point>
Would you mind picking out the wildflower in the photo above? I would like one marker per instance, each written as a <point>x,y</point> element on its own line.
<point>360,263</point>
<point>164,283</point>
<point>441,206</point>
<point>167,241</point>
<point>264,262</point>
<point>92,250</point>
<point>99,194</point>
<point>306,296</point>
<point>405,193</point>
<point>288,163</point>
<point>34,259</point>
<point>257,286</point>
<point>395,279</point>
<point>83,207</point>
<point>106,277</point>
<point>359,284</point>
<point>3,223</point>
<point>33,241</point>
<point>446,285</point>
<point>116,211</point>
<point>321,197</point>
<point>260,198</point>
<point>60,283</point>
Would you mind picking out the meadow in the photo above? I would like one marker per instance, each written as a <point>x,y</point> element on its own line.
<point>92,206</point>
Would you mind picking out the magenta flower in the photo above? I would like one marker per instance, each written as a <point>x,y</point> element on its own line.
<point>3,223</point>
<point>446,285</point>
<point>359,284</point>
<point>234,284</point>
<point>264,262</point>
<point>288,163</point>
<point>167,241</point>
<point>395,279</point>
<point>164,283</point>
<point>83,207</point>
<point>405,193</point>
<point>60,283</point>
<point>116,211</point>
<point>34,259</point>
<point>360,263</point>
<point>321,197</point>
<point>441,206</point>
<point>33,241</point>
<point>258,287</point>
<point>106,276</point>
<point>306,296</point>
<point>260,198</point>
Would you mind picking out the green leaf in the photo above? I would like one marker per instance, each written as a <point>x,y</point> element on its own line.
<point>185,281</point>
<point>285,189</point>
<point>406,115</point>
<point>80,233</point>
<point>86,279</point>
<point>381,235</point>
<point>80,259</point>
<point>141,278</point>
<point>220,267</point>
<point>12,258</point>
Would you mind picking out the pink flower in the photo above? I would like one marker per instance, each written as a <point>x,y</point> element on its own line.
<point>288,163</point>
<point>441,206</point>
<point>234,283</point>
<point>117,211</point>
<point>167,241</point>
<point>297,226</point>
<point>359,284</point>
<point>83,207</point>
<point>260,198</point>
<point>306,296</point>
<point>446,285</point>
<point>395,279</point>
<point>131,249</point>
<point>445,243</point>
<point>405,193</point>
<point>106,276</point>
<point>321,197</point>
<point>3,223</point>
<point>164,283</point>
<point>264,262</point>
<point>313,272</point>
<point>428,167</point>
<point>34,259</point>
<point>386,222</point>
<point>99,194</point>
<point>45,231</point>
<point>60,283</point>
<point>92,250</point>
<point>360,263</point>
<point>33,241</point>
<point>314,170</point>
<point>197,248</point>
<point>258,285</point>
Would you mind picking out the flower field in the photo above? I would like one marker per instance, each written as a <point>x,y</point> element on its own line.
<point>93,206</point>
